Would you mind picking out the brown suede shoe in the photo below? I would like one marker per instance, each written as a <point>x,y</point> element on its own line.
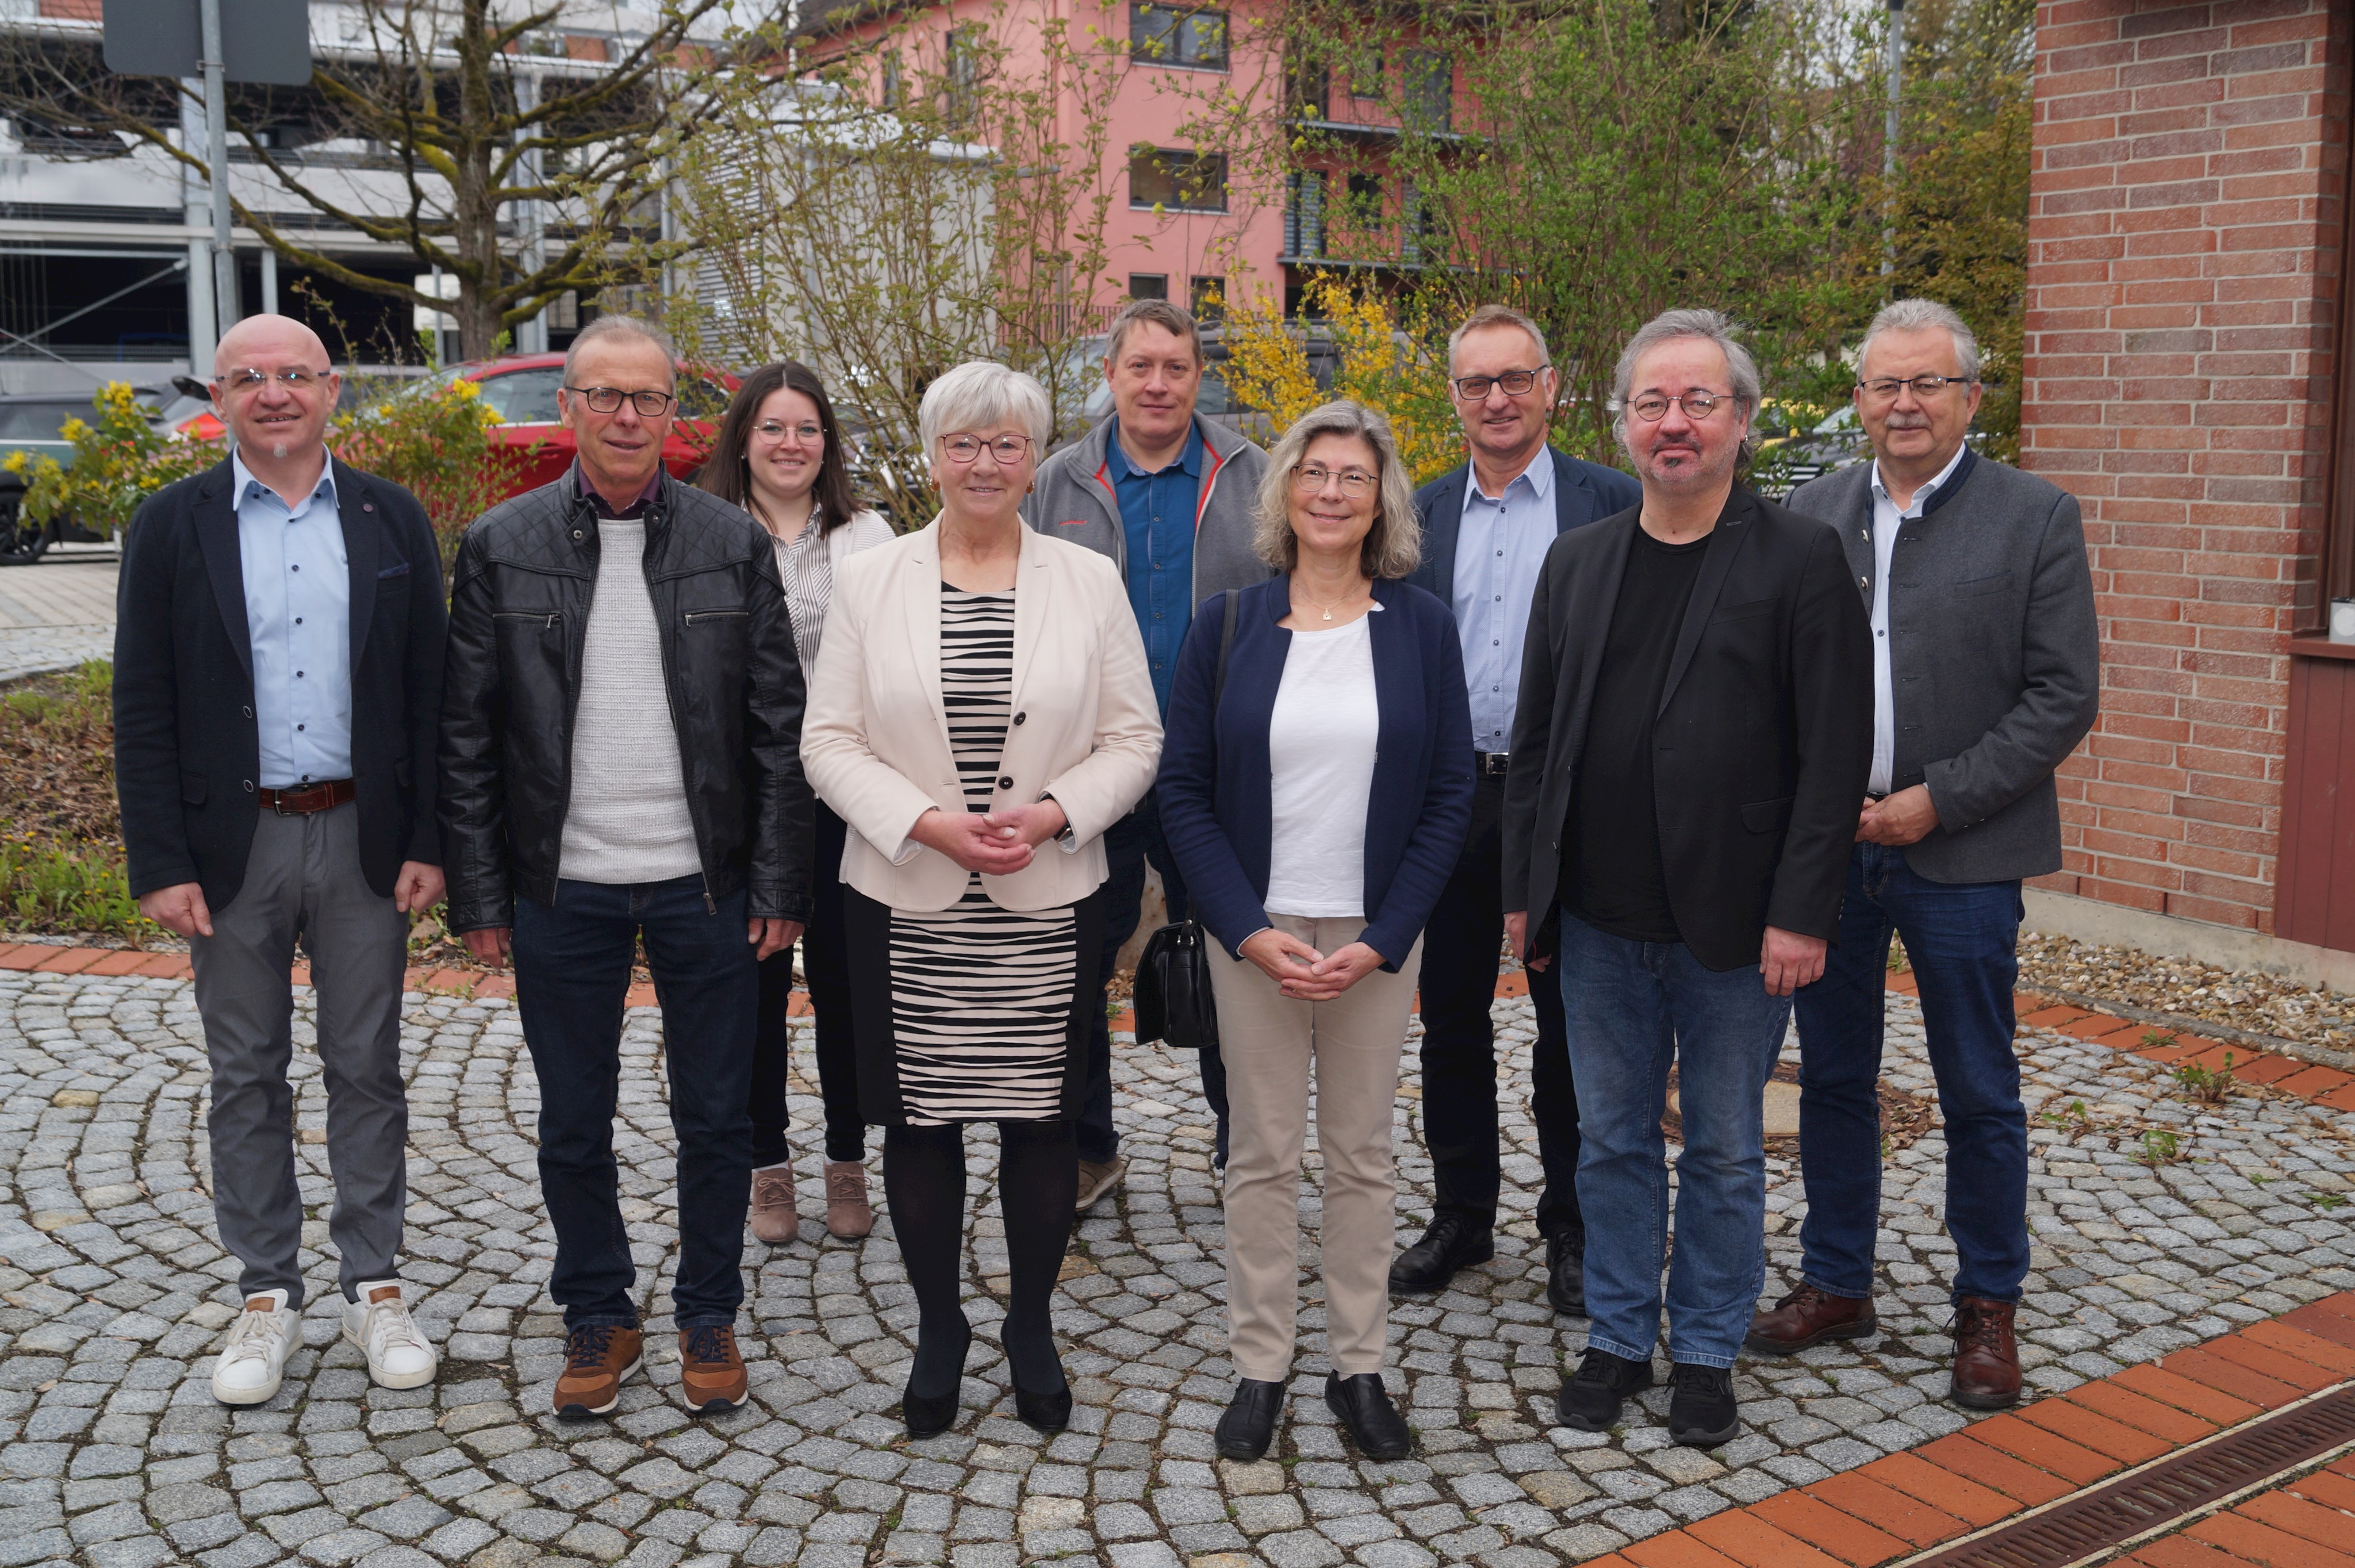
<point>595,1362</point>
<point>1810,1316</point>
<point>776,1216</point>
<point>711,1370</point>
<point>848,1215</point>
<point>1986,1358</point>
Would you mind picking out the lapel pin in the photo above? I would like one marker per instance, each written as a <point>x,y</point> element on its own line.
<point>368,506</point>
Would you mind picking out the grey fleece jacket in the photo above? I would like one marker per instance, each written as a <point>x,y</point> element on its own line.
<point>1072,499</point>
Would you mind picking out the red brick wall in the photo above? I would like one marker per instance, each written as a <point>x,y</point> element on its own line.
<point>2184,235</point>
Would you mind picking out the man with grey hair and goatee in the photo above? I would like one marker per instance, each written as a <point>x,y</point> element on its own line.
<point>1694,725</point>
<point>1986,662</point>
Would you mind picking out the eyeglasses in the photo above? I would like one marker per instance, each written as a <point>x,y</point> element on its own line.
<point>1310,479</point>
<point>770,431</point>
<point>1884,388</point>
<point>294,378</point>
<point>1698,406</point>
<point>1472,389</point>
<point>964,449</point>
<point>608,401</point>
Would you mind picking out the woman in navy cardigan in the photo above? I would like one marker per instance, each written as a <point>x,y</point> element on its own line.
<point>1315,809</point>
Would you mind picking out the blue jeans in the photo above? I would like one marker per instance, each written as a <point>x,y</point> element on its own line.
<point>1962,939</point>
<point>572,973</point>
<point>1128,845</point>
<point>1632,1009</point>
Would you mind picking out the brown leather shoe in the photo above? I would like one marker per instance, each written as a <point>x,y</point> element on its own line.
<point>595,1362</point>
<point>776,1216</point>
<point>1986,1357</point>
<point>711,1370</point>
<point>1810,1316</point>
<point>848,1215</point>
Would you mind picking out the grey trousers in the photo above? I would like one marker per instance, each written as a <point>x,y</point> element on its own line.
<point>303,882</point>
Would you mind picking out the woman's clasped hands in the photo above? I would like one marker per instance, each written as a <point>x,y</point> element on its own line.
<point>1303,973</point>
<point>994,843</point>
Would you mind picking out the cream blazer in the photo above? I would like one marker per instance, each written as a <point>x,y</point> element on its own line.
<point>875,736</point>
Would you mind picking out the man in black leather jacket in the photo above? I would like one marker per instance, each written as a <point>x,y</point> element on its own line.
<point>621,763</point>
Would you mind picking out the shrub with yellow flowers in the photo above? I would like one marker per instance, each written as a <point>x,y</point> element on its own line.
<point>431,437</point>
<point>119,461</point>
<point>1392,358</point>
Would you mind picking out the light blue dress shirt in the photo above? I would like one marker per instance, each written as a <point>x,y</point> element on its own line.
<point>1499,549</point>
<point>298,611</point>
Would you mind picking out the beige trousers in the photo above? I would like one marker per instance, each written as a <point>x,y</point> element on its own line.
<point>1272,1044</point>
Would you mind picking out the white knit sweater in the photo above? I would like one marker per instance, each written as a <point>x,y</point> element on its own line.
<point>627,821</point>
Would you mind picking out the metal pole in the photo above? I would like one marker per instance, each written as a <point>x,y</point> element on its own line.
<point>225,309</point>
<point>1889,133</point>
<point>202,332</point>
<point>269,281</point>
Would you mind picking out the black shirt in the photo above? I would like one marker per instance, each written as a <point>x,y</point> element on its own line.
<point>1610,873</point>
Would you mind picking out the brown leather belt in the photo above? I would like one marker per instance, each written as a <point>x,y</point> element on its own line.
<point>309,798</point>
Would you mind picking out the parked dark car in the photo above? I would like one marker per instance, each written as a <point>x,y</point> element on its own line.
<point>34,423</point>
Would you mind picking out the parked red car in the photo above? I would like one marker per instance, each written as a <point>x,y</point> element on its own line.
<point>521,390</point>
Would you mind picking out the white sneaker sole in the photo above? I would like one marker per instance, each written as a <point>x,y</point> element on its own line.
<point>391,1380</point>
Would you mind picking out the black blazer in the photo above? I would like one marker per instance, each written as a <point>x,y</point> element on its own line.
<point>1583,493</point>
<point>187,754</point>
<point>1765,731</point>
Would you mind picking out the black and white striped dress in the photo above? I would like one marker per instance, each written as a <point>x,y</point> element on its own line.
<point>981,996</point>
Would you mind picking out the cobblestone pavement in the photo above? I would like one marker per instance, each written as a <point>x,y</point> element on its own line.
<point>112,1452</point>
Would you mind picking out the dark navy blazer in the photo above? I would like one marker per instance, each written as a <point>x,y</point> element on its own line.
<point>1215,793</point>
<point>1583,492</point>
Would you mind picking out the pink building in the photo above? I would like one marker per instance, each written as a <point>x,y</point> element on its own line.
<point>1201,123</point>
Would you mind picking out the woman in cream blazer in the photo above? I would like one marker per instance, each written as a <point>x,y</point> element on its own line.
<point>981,712</point>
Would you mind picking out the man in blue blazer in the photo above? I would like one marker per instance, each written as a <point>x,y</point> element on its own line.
<point>1486,529</point>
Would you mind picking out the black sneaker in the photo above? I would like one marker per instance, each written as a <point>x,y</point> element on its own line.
<point>1702,1412</point>
<point>1590,1397</point>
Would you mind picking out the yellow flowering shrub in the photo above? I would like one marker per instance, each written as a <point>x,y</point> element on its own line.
<point>118,462</point>
<point>1392,357</point>
<point>432,438</point>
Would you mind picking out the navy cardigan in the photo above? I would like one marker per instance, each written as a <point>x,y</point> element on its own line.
<point>1214,793</point>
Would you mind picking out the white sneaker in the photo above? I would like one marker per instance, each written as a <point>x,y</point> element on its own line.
<point>397,1355</point>
<point>254,1360</point>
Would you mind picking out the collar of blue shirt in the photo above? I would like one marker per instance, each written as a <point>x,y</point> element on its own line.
<point>1538,476</point>
<point>1116,457</point>
<point>246,487</point>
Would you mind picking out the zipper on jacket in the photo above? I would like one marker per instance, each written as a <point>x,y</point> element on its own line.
<point>549,618</point>
<point>657,530</point>
<point>692,617</point>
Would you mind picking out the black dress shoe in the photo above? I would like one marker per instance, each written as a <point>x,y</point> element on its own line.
<point>1364,1407</point>
<point>1590,1397</point>
<point>1703,1411</point>
<point>1452,1243</point>
<point>1249,1426</point>
<point>1566,1272</point>
<point>1048,1413</point>
<point>928,1415</point>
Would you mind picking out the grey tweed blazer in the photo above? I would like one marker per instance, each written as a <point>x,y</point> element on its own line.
<point>1995,656</point>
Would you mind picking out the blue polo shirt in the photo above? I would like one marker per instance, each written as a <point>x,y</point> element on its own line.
<point>1157,513</point>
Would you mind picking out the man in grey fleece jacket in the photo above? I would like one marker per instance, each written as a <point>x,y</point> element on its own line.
<point>1169,497</point>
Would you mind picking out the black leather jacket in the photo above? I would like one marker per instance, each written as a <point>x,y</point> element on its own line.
<point>519,610</point>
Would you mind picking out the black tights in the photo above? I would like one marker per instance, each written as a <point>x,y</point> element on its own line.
<point>1037,1184</point>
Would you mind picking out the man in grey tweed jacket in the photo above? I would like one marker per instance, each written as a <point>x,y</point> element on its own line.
<point>1987,660</point>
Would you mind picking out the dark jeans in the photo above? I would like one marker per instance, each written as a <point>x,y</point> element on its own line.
<point>826,963</point>
<point>1459,1043</point>
<point>1962,939</point>
<point>572,975</point>
<point>1633,1010</point>
<point>1128,845</point>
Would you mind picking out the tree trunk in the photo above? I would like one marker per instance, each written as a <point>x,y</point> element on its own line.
<point>474,212</point>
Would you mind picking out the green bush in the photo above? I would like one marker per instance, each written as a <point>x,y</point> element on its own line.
<point>48,888</point>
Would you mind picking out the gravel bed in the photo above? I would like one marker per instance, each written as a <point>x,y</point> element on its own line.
<point>2244,999</point>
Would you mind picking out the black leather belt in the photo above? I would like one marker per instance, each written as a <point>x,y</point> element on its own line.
<point>1489,765</point>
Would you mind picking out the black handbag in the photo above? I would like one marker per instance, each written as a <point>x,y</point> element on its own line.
<point>1174,1001</point>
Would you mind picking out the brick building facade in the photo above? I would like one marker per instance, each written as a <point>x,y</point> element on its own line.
<point>2185,378</point>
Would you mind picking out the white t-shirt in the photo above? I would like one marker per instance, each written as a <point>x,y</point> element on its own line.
<point>1321,737</point>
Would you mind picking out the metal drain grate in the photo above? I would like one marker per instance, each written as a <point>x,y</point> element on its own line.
<point>2162,1493</point>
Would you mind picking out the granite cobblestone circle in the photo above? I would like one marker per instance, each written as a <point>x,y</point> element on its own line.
<point>2160,1220</point>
